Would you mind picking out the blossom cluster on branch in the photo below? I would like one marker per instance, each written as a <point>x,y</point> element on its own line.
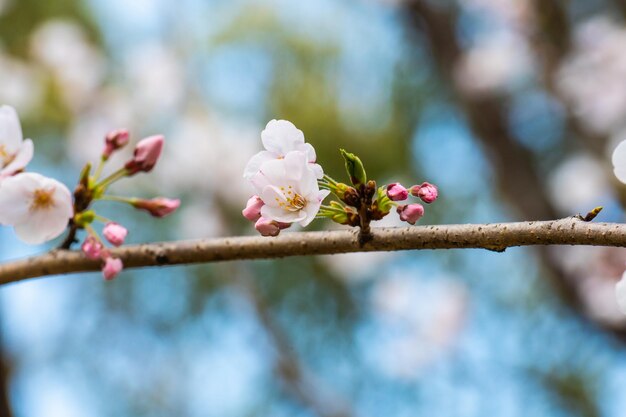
<point>41,208</point>
<point>290,187</point>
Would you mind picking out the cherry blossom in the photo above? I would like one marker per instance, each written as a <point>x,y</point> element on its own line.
<point>279,138</point>
<point>289,189</point>
<point>39,208</point>
<point>15,152</point>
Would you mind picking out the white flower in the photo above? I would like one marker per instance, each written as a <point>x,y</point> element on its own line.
<point>38,207</point>
<point>289,189</point>
<point>619,161</point>
<point>279,138</point>
<point>620,293</point>
<point>15,152</point>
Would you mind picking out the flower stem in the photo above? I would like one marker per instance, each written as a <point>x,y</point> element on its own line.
<point>119,199</point>
<point>99,168</point>
<point>119,174</point>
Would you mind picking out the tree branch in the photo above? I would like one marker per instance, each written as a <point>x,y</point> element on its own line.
<point>496,237</point>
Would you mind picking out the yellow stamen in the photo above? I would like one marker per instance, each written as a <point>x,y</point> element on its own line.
<point>42,199</point>
<point>5,157</point>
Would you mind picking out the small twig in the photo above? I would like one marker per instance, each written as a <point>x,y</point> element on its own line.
<point>70,239</point>
<point>496,237</point>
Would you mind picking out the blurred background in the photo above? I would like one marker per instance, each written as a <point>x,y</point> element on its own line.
<point>512,107</point>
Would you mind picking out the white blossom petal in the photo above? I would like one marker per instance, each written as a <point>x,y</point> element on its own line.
<point>10,129</point>
<point>272,196</point>
<point>255,163</point>
<point>14,201</point>
<point>619,161</point>
<point>18,207</point>
<point>620,293</point>
<point>21,159</point>
<point>295,164</point>
<point>281,137</point>
<point>281,215</point>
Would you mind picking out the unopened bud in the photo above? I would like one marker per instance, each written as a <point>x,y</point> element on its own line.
<point>112,267</point>
<point>113,141</point>
<point>147,153</point>
<point>252,211</point>
<point>410,213</point>
<point>426,192</point>
<point>115,233</point>
<point>351,197</point>
<point>158,207</point>
<point>396,192</point>
<point>268,227</point>
<point>91,247</point>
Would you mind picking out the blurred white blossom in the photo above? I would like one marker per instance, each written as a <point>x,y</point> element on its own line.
<point>63,48</point>
<point>415,321</point>
<point>21,84</point>
<point>494,63</point>
<point>594,272</point>
<point>156,78</point>
<point>593,77</point>
<point>204,153</point>
<point>578,184</point>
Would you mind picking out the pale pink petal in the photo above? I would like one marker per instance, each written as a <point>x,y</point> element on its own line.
<point>15,198</point>
<point>317,169</point>
<point>10,129</point>
<point>273,197</point>
<point>295,165</point>
<point>34,226</point>
<point>254,165</point>
<point>274,171</point>
<point>23,157</point>
<point>309,151</point>
<point>281,215</point>
<point>281,137</point>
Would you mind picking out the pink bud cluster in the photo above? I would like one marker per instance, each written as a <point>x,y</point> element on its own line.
<point>93,248</point>
<point>145,156</point>
<point>411,213</point>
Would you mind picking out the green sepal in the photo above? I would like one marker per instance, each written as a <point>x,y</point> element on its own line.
<point>84,218</point>
<point>354,168</point>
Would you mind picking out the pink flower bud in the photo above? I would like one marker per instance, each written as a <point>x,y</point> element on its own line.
<point>252,211</point>
<point>146,155</point>
<point>426,191</point>
<point>115,233</point>
<point>158,207</point>
<point>113,141</point>
<point>112,267</point>
<point>92,247</point>
<point>268,227</point>
<point>396,192</point>
<point>410,213</point>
